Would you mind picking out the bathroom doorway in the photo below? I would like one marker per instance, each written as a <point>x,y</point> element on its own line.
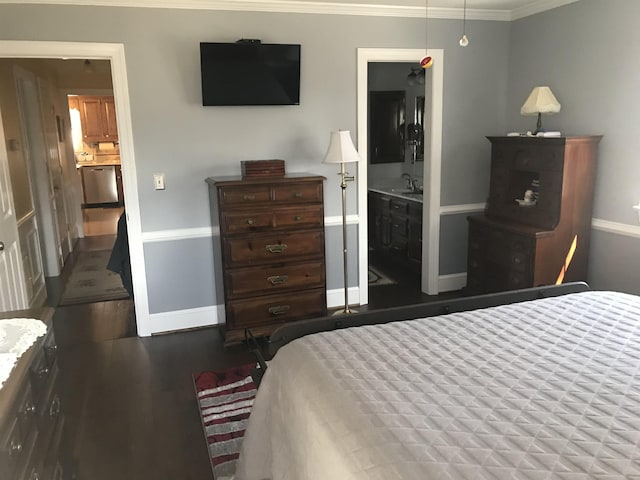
<point>430,171</point>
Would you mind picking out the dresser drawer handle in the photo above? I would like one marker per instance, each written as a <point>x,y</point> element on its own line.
<point>297,195</point>
<point>43,372</point>
<point>249,197</point>
<point>54,408</point>
<point>297,218</point>
<point>250,221</point>
<point>277,279</point>
<point>280,248</point>
<point>16,448</point>
<point>279,310</point>
<point>30,409</point>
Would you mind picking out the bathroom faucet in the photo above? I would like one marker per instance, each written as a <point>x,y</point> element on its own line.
<point>412,183</point>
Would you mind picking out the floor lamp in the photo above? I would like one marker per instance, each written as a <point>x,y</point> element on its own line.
<point>341,150</point>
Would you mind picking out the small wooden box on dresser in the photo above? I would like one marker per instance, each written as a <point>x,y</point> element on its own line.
<point>518,244</point>
<point>31,416</point>
<point>271,254</point>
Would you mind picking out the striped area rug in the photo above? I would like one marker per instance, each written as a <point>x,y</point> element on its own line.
<point>225,399</point>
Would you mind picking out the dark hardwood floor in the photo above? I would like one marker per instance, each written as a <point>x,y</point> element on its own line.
<point>129,402</point>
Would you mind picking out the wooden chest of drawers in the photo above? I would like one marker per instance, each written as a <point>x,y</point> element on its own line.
<point>271,254</point>
<point>31,416</point>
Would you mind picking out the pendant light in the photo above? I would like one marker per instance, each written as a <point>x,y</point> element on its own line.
<point>427,61</point>
<point>464,41</point>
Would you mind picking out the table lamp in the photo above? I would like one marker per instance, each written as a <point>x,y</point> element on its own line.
<point>541,100</point>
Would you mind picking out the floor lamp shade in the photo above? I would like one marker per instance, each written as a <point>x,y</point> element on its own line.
<point>341,150</point>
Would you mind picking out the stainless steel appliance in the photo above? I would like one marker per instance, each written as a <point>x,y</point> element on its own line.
<point>100,184</point>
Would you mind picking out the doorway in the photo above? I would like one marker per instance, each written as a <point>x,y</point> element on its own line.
<point>431,166</point>
<point>114,53</point>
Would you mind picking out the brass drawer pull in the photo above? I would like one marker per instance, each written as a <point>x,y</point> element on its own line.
<point>54,408</point>
<point>297,195</point>
<point>277,279</point>
<point>16,448</point>
<point>279,310</point>
<point>297,218</point>
<point>250,221</point>
<point>249,197</point>
<point>277,248</point>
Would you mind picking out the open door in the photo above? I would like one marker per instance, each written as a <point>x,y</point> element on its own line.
<point>12,292</point>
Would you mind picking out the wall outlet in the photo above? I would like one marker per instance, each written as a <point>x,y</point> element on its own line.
<point>158,181</point>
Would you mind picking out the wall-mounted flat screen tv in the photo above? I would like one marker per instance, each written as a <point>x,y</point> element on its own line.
<point>250,73</point>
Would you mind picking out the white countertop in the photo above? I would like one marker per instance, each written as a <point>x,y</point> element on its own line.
<point>399,192</point>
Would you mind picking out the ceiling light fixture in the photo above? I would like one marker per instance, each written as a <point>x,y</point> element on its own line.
<point>88,67</point>
<point>464,41</point>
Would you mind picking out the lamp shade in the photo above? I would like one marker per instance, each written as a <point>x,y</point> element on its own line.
<point>541,100</point>
<point>341,149</point>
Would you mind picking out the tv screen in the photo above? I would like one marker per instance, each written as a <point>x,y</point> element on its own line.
<point>250,73</point>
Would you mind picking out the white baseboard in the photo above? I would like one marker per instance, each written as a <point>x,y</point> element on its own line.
<point>215,314</point>
<point>454,281</point>
<point>185,319</point>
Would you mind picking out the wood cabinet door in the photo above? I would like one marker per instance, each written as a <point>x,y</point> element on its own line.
<point>110,127</point>
<point>91,118</point>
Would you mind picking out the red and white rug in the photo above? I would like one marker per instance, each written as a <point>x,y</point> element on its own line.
<point>225,400</point>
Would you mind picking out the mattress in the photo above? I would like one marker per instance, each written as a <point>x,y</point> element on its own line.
<point>536,390</point>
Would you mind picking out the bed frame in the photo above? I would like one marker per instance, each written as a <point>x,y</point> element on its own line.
<point>290,331</point>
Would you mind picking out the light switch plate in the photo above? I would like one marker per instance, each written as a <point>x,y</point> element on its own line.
<point>158,181</point>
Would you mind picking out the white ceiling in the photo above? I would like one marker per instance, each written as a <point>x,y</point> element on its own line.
<point>504,10</point>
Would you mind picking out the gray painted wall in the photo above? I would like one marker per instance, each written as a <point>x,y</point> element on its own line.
<point>174,134</point>
<point>587,53</point>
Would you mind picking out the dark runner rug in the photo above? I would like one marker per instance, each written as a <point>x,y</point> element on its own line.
<point>225,399</point>
<point>90,281</point>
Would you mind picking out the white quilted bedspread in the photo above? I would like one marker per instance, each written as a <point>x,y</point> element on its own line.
<point>548,389</point>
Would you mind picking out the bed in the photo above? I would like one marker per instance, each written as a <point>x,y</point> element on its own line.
<point>540,389</point>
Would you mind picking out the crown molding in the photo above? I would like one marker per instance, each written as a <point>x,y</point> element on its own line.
<point>538,7</point>
<point>316,7</point>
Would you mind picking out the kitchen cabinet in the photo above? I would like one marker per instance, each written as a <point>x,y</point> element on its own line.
<point>98,118</point>
<point>271,252</point>
<point>521,243</point>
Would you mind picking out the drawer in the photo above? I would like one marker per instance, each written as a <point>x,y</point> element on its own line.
<point>274,309</point>
<point>399,206</point>
<point>299,217</point>
<point>270,279</point>
<point>17,453</point>
<point>298,192</point>
<point>273,248</point>
<point>40,374</point>
<point>534,158</point>
<point>50,348</point>
<point>244,195</point>
<point>243,221</point>
<point>49,408</point>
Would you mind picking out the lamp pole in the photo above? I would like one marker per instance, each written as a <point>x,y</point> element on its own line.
<point>343,185</point>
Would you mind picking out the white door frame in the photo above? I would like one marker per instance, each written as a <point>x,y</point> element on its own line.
<point>432,164</point>
<point>114,52</point>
